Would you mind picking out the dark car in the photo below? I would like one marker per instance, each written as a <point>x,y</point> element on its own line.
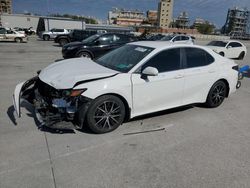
<point>74,35</point>
<point>96,45</point>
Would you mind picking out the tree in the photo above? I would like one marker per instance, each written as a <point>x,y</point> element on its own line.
<point>205,28</point>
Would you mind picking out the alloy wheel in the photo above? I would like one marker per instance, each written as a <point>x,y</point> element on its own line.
<point>107,115</point>
<point>218,94</point>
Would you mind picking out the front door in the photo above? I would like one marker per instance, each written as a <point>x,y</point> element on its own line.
<point>164,91</point>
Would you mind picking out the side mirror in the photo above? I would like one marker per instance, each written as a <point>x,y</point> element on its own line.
<point>229,47</point>
<point>150,71</point>
<point>97,42</point>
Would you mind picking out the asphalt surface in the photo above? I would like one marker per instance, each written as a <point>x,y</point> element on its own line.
<point>189,147</point>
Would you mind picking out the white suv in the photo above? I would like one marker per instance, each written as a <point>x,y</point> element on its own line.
<point>47,35</point>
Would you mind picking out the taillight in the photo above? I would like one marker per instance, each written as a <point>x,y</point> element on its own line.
<point>236,67</point>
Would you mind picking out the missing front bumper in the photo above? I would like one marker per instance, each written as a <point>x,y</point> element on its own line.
<point>51,110</point>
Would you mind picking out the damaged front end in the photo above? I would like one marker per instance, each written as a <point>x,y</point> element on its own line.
<point>54,108</point>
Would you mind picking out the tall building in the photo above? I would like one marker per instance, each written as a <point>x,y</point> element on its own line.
<point>125,17</point>
<point>152,17</point>
<point>238,22</point>
<point>182,21</point>
<point>165,13</point>
<point>5,6</point>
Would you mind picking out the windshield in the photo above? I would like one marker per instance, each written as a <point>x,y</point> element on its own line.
<point>124,58</point>
<point>167,38</point>
<point>217,43</point>
<point>91,38</point>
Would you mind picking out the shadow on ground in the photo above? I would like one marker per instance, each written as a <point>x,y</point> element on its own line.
<point>85,129</point>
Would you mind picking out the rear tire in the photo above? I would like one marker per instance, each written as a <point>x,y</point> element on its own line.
<point>46,37</point>
<point>105,114</point>
<point>62,42</point>
<point>217,94</point>
<point>241,56</point>
<point>84,54</point>
<point>18,40</point>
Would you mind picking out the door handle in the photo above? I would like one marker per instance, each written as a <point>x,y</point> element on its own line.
<point>179,76</point>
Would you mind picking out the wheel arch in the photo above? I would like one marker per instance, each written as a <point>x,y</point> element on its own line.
<point>125,102</point>
<point>85,50</point>
<point>227,85</point>
<point>18,38</point>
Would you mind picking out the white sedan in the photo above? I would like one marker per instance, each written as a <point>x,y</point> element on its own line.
<point>136,79</point>
<point>179,39</point>
<point>230,49</point>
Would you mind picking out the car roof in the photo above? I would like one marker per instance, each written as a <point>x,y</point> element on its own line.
<point>162,44</point>
<point>227,41</point>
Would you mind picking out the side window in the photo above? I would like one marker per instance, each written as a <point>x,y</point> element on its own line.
<point>10,32</point>
<point>235,44</point>
<point>178,38</point>
<point>107,39</point>
<point>168,60</point>
<point>58,30</point>
<point>122,39</point>
<point>184,38</point>
<point>196,57</point>
<point>2,31</point>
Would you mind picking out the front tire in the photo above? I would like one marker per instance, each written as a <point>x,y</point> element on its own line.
<point>18,40</point>
<point>46,37</point>
<point>217,94</point>
<point>105,114</point>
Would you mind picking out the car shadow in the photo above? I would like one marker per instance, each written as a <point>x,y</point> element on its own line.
<point>85,129</point>
<point>165,112</point>
<point>57,45</point>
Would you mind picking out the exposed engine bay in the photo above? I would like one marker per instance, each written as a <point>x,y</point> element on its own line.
<point>52,105</point>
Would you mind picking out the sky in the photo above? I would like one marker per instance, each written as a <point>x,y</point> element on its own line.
<point>214,11</point>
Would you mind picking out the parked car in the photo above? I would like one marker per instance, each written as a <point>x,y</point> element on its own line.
<point>230,49</point>
<point>74,35</point>
<point>11,35</point>
<point>47,35</point>
<point>96,45</point>
<point>135,79</point>
<point>179,38</point>
<point>27,31</point>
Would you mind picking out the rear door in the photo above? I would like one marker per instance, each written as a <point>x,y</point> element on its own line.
<point>10,35</point>
<point>200,73</point>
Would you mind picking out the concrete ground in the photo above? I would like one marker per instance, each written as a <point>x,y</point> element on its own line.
<point>194,147</point>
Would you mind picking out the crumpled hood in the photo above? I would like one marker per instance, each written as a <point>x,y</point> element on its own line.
<point>65,74</point>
